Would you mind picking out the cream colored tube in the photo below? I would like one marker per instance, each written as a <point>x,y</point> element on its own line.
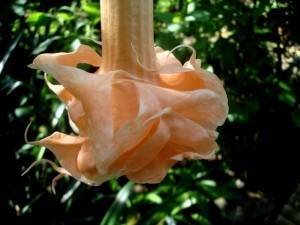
<point>127,26</point>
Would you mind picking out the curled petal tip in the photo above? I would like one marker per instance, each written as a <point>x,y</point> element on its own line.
<point>26,131</point>
<point>31,66</point>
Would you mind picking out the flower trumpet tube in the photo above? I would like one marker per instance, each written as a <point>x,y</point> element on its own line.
<point>141,112</point>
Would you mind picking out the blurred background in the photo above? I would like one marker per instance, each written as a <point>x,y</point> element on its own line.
<point>252,45</point>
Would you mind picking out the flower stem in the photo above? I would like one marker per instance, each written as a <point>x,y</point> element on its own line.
<point>127,35</point>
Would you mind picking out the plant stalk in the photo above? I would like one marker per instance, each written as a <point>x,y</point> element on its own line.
<point>127,36</point>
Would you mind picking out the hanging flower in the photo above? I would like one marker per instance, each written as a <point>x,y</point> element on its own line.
<point>141,112</point>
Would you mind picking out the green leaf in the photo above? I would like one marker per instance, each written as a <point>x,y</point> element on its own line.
<point>287,97</point>
<point>23,111</point>
<point>9,50</point>
<point>112,215</point>
<point>154,197</point>
<point>191,7</point>
<point>165,17</point>
<point>65,16</point>
<point>174,27</point>
<point>38,19</point>
<point>257,12</point>
<point>161,211</point>
<point>44,45</point>
<point>200,219</point>
<point>296,117</point>
<point>284,86</point>
<point>93,11</point>
<point>201,15</point>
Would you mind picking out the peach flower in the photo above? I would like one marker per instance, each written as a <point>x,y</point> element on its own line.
<point>141,112</point>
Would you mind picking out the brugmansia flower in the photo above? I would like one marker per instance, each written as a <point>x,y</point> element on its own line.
<point>141,112</point>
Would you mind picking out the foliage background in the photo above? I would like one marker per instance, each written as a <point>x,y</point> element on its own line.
<point>253,46</point>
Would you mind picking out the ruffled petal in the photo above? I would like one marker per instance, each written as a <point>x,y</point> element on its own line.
<point>167,63</point>
<point>137,127</point>
<point>94,92</point>
<point>188,140</point>
<point>203,106</point>
<point>75,110</point>
<point>84,54</point>
<point>124,103</point>
<point>188,77</point>
<point>154,172</point>
<point>189,136</point>
<point>147,148</point>
<point>67,150</point>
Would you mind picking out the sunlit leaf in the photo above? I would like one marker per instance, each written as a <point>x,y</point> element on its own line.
<point>287,97</point>
<point>44,45</point>
<point>9,50</point>
<point>112,215</point>
<point>153,197</point>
